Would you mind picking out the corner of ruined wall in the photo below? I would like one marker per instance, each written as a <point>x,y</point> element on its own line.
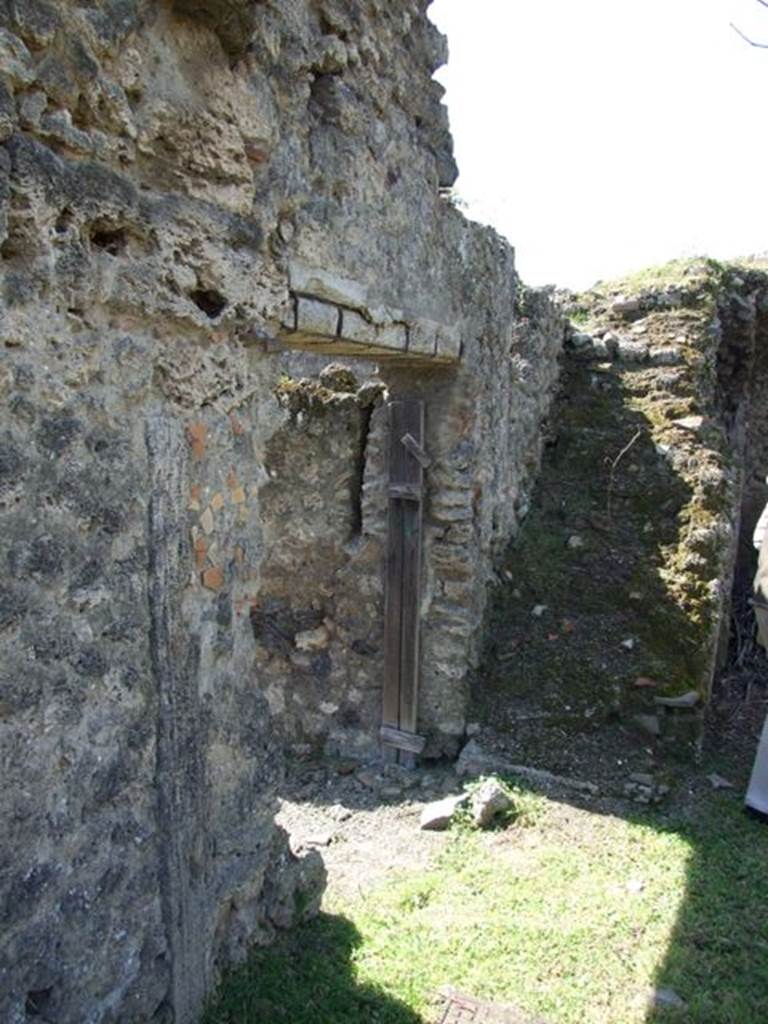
<point>741,372</point>
<point>158,179</point>
<point>684,347</point>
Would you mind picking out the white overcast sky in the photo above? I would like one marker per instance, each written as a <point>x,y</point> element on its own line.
<point>600,136</point>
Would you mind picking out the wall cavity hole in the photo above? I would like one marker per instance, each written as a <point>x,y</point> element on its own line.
<point>211,302</point>
<point>81,115</point>
<point>111,240</point>
<point>38,1001</point>
<point>63,221</point>
<point>8,250</point>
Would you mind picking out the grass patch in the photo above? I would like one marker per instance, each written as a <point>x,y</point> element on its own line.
<point>673,274</point>
<point>570,914</point>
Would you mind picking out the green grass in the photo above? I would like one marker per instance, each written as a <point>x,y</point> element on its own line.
<point>580,317</point>
<point>673,274</point>
<point>571,914</point>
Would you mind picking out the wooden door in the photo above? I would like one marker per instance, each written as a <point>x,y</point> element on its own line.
<point>407,462</point>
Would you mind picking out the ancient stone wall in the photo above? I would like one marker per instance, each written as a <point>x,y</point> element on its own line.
<point>193,520</point>
<point>744,366</point>
<point>317,606</point>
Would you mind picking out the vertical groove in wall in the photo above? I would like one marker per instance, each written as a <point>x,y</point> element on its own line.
<point>358,476</point>
<point>180,767</point>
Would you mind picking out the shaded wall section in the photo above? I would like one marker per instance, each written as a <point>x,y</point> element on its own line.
<point>139,759</point>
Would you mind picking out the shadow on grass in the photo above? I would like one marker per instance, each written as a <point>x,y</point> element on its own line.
<point>306,977</point>
<point>717,957</point>
<point>715,966</point>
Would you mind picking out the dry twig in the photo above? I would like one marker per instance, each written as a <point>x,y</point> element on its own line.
<point>614,464</point>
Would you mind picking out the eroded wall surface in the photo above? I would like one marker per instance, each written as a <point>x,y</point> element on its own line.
<point>192,542</point>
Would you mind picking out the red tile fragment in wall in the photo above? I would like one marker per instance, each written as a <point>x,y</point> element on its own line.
<point>196,437</point>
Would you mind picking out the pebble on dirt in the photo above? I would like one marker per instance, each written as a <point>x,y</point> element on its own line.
<point>644,778</point>
<point>648,724</point>
<point>718,782</point>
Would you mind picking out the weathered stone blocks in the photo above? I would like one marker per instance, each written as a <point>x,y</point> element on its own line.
<point>316,318</point>
<point>392,336</point>
<point>326,285</point>
<point>355,327</point>
<point>422,337</point>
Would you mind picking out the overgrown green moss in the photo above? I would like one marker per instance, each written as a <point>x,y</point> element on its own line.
<point>301,395</point>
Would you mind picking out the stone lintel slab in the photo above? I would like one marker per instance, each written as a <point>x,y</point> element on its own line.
<point>449,342</point>
<point>313,317</point>
<point>325,345</point>
<point>324,284</point>
<point>422,337</point>
<point>357,328</point>
<point>319,324</point>
<point>384,335</point>
<point>392,336</point>
<point>322,344</point>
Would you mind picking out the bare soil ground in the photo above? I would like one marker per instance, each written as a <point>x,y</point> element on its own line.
<point>364,820</point>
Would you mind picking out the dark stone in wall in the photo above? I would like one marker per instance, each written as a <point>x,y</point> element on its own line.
<point>11,465</point>
<point>233,21</point>
<point>276,624</point>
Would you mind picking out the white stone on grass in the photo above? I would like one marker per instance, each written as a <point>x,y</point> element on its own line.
<point>719,782</point>
<point>685,700</point>
<point>488,801</point>
<point>436,817</point>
